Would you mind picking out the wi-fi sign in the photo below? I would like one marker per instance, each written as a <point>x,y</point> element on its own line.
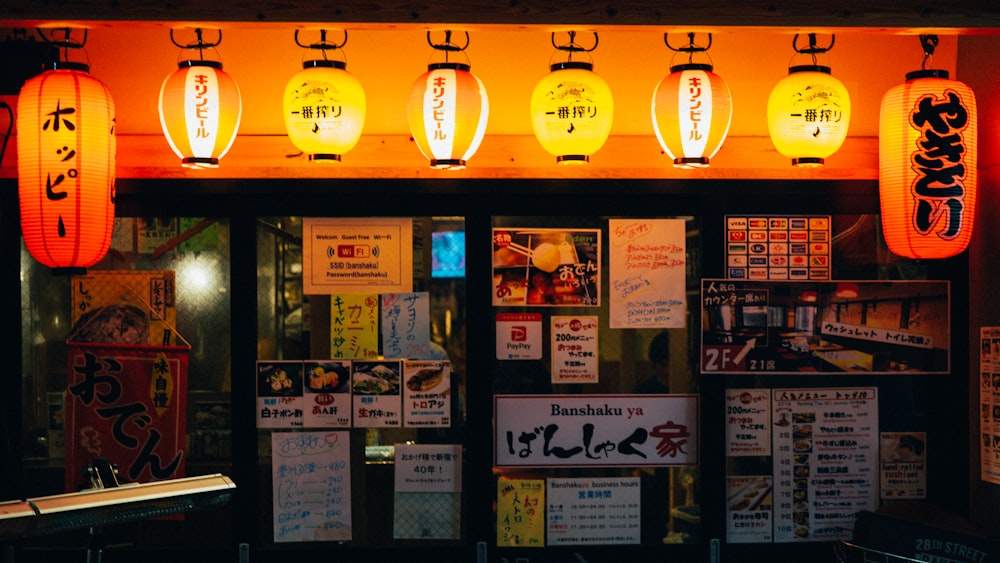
<point>375,251</point>
<point>330,252</point>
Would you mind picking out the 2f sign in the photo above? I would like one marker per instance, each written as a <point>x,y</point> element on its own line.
<point>723,358</point>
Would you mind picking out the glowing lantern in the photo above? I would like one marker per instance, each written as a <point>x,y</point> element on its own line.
<point>927,164</point>
<point>808,111</point>
<point>692,109</point>
<point>448,110</point>
<point>572,107</point>
<point>324,106</point>
<point>66,165</point>
<point>847,290</point>
<point>200,108</point>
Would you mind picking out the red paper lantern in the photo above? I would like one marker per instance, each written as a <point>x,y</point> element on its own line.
<point>66,166</point>
<point>927,165</point>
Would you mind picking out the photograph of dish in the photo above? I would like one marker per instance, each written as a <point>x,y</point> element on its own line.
<point>375,378</point>
<point>802,431</point>
<point>327,377</point>
<point>279,379</point>
<point>425,378</point>
<point>803,417</point>
<point>803,445</point>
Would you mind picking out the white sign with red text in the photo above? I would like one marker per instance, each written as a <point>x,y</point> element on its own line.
<point>574,349</point>
<point>596,430</point>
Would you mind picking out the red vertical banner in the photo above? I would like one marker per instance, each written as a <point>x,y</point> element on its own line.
<point>126,404</point>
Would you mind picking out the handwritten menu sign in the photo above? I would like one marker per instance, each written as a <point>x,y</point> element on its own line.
<point>647,270</point>
<point>574,349</point>
<point>406,325</point>
<point>826,461</point>
<point>354,321</point>
<point>353,255</point>
<point>311,478</point>
<point>989,403</point>
<point>521,512</point>
<point>592,511</point>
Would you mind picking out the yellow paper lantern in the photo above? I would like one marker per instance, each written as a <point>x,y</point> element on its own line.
<point>447,111</point>
<point>927,165</point>
<point>692,109</point>
<point>571,111</point>
<point>808,113</point>
<point>200,109</point>
<point>324,110</point>
<point>66,166</point>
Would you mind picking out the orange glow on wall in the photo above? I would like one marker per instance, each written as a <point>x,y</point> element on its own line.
<point>692,109</point>
<point>927,165</point>
<point>66,166</point>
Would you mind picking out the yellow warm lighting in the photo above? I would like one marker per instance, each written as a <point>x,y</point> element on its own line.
<point>324,110</point>
<point>448,110</point>
<point>66,166</point>
<point>571,112</point>
<point>692,109</point>
<point>927,165</point>
<point>200,110</point>
<point>808,113</point>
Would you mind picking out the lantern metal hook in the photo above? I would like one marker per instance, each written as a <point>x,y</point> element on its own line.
<point>66,43</point>
<point>813,49</point>
<point>448,45</point>
<point>692,47</point>
<point>200,44</point>
<point>323,45</point>
<point>928,43</point>
<point>572,46</point>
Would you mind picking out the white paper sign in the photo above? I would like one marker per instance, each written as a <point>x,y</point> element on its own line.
<point>428,468</point>
<point>574,349</point>
<point>519,336</point>
<point>647,271</point>
<point>427,393</point>
<point>748,422</point>
<point>596,430</point>
<point>311,478</point>
<point>357,255</point>
<point>406,325</point>
<point>592,511</point>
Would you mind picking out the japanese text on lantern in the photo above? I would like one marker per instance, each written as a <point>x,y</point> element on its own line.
<point>939,163</point>
<point>440,89</point>
<point>694,107</point>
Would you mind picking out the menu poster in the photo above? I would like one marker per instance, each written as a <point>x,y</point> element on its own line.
<point>749,509</point>
<point>427,393</point>
<point>354,321</point>
<point>357,255</point>
<point>989,403</point>
<point>377,399</point>
<point>903,460</point>
<point>826,455</point>
<point>520,512</point>
<point>647,273</point>
<point>778,247</point>
<point>748,422</point>
<point>327,393</point>
<point>592,511</point>
<point>406,325</point>
<point>280,399</point>
<point>574,349</point>
<point>519,336</point>
<point>311,478</point>
<point>546,267</point>
<point>596,430</point>
<point>786,327</point>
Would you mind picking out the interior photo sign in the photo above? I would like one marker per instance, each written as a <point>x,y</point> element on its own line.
<point>647,269</point>
<point>357,255</point>
<point>769,327</point>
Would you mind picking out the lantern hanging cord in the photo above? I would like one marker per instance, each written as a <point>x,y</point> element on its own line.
<point>323,46</point>
<point>448,46</point>
<point>929,43</point>
<point>813,49</point>
<point>572,46</point>
<point>201,44</point>
<point>691,47</point>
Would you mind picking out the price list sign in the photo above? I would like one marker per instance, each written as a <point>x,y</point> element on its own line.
<point>826,461</point>
<point>311,478</point>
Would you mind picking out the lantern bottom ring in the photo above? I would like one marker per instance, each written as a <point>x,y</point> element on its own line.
<point>450,163</point>
<point>808,161</point>
<point>324,158</point>
<point>691,162</point>
<point>199,162</point>
<point>573,159</point>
